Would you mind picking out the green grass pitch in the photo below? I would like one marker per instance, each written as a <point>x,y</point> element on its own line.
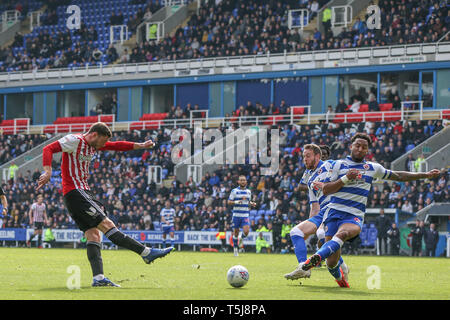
<point>42,274</point>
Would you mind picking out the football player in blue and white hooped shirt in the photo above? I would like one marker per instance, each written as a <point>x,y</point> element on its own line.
<point>349,186</point>
<point>167,217</point>
<point>318,170</point>
<point>240,199</point>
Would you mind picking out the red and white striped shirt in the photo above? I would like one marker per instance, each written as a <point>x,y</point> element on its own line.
<point>76,157</point>
<point>38,212</point>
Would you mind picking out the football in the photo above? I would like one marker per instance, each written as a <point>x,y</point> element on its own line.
<point>237,276</point>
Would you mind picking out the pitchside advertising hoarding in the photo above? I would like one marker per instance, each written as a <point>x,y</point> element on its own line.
<point>181,237</point>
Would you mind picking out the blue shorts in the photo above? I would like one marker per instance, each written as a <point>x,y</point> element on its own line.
<point>318,218</point>
<point>239,222</point>
<point>168,229</point>
<point>335,219</point>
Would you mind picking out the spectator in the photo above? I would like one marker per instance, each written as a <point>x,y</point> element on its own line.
<point>394,239</point>
<point>407,207</point>
<point>373,104</point>
<point>341,107</point>
<point>418,163</point>
<point>12,171</point>
<point>417,235</point>
<point>382,224</point>
<point>261,244</point>
<point>431,238</point>
<point>355,106</point>
<point>125,58</point>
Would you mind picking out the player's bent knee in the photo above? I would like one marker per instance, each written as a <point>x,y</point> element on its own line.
<point>296,232</point>
<point>320,233</point>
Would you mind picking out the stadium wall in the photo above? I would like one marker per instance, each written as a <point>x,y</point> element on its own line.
<point>316,87</point>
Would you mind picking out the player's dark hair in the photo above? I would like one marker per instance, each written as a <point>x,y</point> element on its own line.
<point>314,147</point>
<point>324,147</point>
<point>101,128</point>
<point>364,136</point>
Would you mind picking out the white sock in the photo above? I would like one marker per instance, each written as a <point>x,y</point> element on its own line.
<point>145,252</point>
<point>99,277</point>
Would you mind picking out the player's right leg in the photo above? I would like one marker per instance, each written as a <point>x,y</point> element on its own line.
<point>298,235</point>
<point>31,238</point>
<point>236,242</point>
<point>164,236</point>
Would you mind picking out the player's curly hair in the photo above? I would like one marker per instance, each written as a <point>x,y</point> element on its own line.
<point>324,147</point>
<point>361,135</point>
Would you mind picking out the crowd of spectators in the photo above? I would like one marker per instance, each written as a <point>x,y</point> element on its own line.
<point>119,180</point>
<point>232,28</point>
<point>12,146</point>
<point>226,28</point>
<point>62,48</point>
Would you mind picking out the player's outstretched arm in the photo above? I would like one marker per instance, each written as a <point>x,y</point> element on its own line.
<point>335,186</point>
<point>127,145</point>
<point>47,157</point>
<point>411,176</point>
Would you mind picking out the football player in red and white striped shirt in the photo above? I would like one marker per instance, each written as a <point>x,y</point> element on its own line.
<point>87,212</point>
<point>38,216</point>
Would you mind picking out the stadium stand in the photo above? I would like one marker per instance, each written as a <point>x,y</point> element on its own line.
<point>120,181</point>
<point>233,30</point>
<point>52,45</point>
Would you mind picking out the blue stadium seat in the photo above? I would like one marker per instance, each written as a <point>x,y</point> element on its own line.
<point>253,212</point>
<point>261,212</point>
<point>372,237</point>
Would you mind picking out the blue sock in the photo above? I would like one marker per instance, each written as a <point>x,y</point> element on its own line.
<point>235,242</point>
<point>172,242</point>
<point>341,261</point>
<point>329,248</point>
<point>299,247</point>
<point>336,272</point>
<point>164,243</point>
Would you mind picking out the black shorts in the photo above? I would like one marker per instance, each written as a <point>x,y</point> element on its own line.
<point>84,209</point>
<point>38,225</point>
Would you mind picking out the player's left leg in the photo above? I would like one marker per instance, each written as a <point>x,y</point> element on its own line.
<point>244,233</point>
<point>122,240</point>
<point>346,231</point>
<point>39,243</point>
<point>236,225</point>
<point>338,269</point>
<point>93,249</point>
